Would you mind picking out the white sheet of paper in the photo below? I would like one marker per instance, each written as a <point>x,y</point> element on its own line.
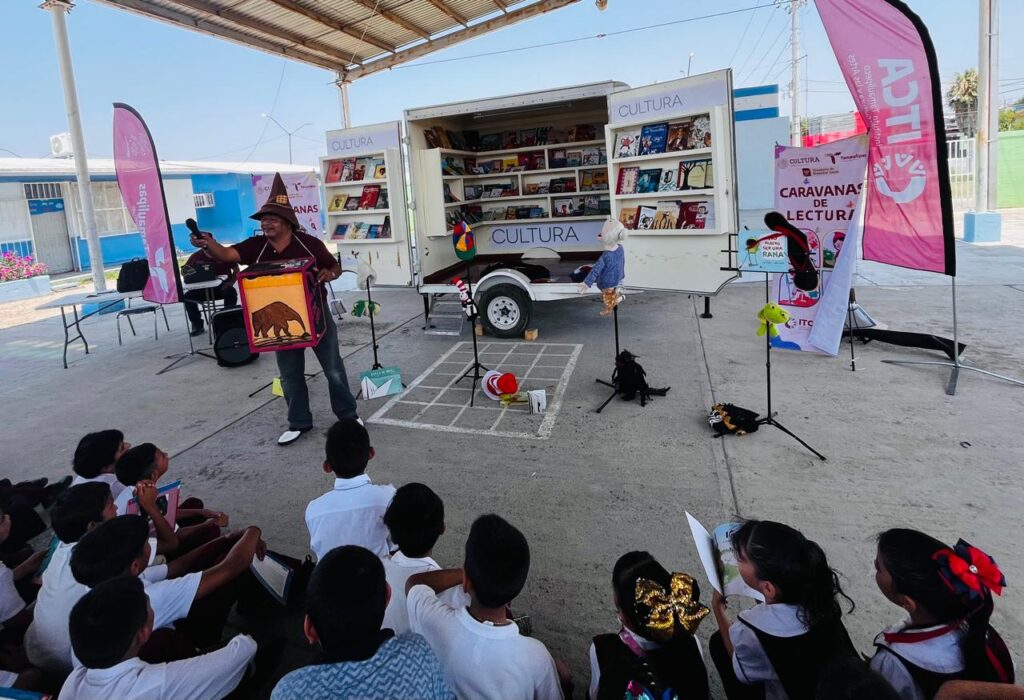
<point>273,574</point>
<point>706,551</point>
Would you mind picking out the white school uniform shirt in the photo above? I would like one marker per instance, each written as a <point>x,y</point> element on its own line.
<point>11,602</point>
<point>116,487</point>
<point>482,661</point>
<point>398,568</point>
<point>749,660</point>
<point>351,513</point>
<point>207,677</point>
<point>645,644</point>
<point>121,499</point>
<point>941,654</point>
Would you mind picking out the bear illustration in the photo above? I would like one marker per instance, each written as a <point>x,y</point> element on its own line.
<point>275,317</point>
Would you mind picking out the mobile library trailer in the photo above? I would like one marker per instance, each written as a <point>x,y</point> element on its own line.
<point>535,175</point>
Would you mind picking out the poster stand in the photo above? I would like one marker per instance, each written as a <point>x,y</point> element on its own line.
<point>612,384</point>
<point>373,332</point>
<point>476,367</point>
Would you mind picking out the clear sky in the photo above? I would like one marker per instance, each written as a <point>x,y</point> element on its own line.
<point>203,97</point>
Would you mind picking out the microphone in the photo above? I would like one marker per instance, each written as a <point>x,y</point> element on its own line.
<point>193,227</point>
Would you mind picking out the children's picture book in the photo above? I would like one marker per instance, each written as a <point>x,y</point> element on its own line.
<point>356,232</point>
<point>700,133</point>
<point>379,171</point>
<point>360,170</point>
<point>373,231</point>
<point>528,188</point>
<point>647,180</point>
<point>600,180</point>
<point>696,215</point>
<point>339,232</point>
<point>274,574</point>
<point>510,139</point>
<point>543,134</point>
<point>338,202</point>
<point>627,143</point>
<point>472,191</point>
<point>167,499</point>
<point>527,137</point>
<point>627,217</point>
<point>591,206</point>
<point>558,134</point>
<point>348,169</point>
<point>667,215</point>
<point>652,139</point>
<point>382,200</point>
<point>698,179</point>
<point>645,217</point>
<point>368,199</point>
<point>509,162</point>
<point>557,157</point>
<point>592,156</point>
<point>668,180</point>
<point>628,180</point>
<point>562,207</point>
<point>490,142</point>
<point>586,180</point>
<point>381,382</point>
<point>385,228</point>
<point>449,196</point>
<point>333,172</point>
<point>719,559</point>
<point>678,135</point>
<point>573,159</point>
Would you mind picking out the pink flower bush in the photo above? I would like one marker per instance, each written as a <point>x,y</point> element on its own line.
<point>17,267</point>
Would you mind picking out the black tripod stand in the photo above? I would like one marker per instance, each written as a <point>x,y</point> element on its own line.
<point>476,368</point>
<point>612,384</point>
<point>769,419</point>
<point>373,334</point>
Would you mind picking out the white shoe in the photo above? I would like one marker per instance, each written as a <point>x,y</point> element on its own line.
<point>360,421</point>
<point>290,436</point>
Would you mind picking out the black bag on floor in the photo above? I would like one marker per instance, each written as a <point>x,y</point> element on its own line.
<point>729,419</point>
<point>133,275</point>
<point>630,379</point>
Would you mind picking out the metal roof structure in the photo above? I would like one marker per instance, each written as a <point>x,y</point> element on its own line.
<point>64,168</point>
<point>355,38</point>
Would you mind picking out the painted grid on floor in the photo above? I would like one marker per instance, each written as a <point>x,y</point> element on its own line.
<point>437,400</point>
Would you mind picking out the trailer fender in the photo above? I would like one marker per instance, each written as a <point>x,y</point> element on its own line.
<point>503,277</point>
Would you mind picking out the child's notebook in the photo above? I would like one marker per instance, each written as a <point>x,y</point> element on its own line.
<point>719,559</point>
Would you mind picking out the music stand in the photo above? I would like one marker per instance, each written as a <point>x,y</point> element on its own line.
<point>476,367</point>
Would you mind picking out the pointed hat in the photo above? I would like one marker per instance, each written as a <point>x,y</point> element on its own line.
<point>277,203</point>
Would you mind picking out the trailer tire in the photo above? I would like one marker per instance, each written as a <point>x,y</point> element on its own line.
<point>505,310</point>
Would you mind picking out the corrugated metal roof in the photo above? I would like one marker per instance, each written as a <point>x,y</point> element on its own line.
<point>61,167</point>
<point>352,37</point>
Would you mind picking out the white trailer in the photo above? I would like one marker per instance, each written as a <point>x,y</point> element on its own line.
<point>536,175</point>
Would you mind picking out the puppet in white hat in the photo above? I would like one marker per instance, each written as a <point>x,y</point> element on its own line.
<point>610,269</point>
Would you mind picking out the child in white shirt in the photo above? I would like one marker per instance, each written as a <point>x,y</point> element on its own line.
<point>108,627</point>
<point>353,512</point>
<point>482,652</point>
<point>95,457</point>
<point>415,521</point>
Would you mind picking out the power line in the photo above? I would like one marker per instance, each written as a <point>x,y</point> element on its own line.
<point>273,106</point>
<point>756,43</point>
<point>742,37</point>
<point>771,47</point>
<point>777,57</point>
<point>582,38</point>
<point>238,150</point>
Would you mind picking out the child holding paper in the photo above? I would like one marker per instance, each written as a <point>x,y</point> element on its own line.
<point>784,644</point>
<point>655,650</point>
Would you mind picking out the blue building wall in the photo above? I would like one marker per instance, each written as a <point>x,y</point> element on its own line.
<point>228,220</point>
<point>124,247</point>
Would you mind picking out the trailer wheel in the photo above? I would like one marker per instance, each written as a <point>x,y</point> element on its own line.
<point>505,310</point>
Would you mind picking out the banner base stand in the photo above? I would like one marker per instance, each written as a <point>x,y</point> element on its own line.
<point>476,367</point>
<point>612,385</point>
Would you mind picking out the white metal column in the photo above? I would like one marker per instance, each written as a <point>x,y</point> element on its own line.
<point>346,113</point>
<point>57,9</point>
<point>988,104</point>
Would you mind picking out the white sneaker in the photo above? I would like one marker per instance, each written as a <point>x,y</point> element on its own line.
<point>290,436</point>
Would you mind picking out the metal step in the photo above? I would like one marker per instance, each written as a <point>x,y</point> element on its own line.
<point>446,316</point>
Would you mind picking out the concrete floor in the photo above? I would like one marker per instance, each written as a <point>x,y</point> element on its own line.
<point>900,452</point>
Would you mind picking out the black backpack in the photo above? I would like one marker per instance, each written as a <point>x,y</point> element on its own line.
<point>729,419</point>
<point>133,275</point>
<point>630,379</point>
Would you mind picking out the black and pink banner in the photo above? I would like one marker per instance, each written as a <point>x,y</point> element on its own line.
<point>889,64</point>
<point>142,189</point>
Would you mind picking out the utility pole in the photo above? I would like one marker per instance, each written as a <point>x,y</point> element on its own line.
<point>988,105</point>
<point>346,116</point>
<point>279,124</point>
<point>58,9</point>
<point>794,40</point>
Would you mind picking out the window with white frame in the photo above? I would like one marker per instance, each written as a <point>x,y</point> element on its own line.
<point>112,216</point>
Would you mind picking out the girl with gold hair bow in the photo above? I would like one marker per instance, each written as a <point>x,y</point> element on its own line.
<point>654,654</point>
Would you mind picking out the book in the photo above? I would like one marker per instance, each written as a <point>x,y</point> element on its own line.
<point>678,136</point>
<point>591,156</point>
<point>563,207</point>
<point>449,196</point>
<point>508,163</point>
<point>360,170</point>
<point>573,159</point>
<point>373,231</point>
<point>585,132</point>
<point>274,574</point>
<point>700,133</point>
<point>667,215</point>
<point>645,217</point>
<point>586,180</point>
<point>667,183</point>
<point>382,201</point>
<point>431,138</point>
<point>385,228</point>
<point>348,168</point>
<point>600,179</point>
<point>339,232</point>
<point>333,172</point>
<point>357,231</point>
<point>537,212</point>
<point>652,139</point>
<point>338,202</point>
<point>695,215</point>
<point>368,199</point>
<point>472,191</point>
<point>167,498</point>
<point>527,137</point>
<point>510,139</point>
<point>627,180</point>
<point>627,143</point>
<point>719,558</point>
<point>510,213</point>
<point>379,171</point>
<point>591,206</point>
<point>558,134</point>
<point>604,206</point>
<point>490,142</point>
<point>352,204</point>
<point>627,217</point>
<point>529,187</point>
<point>535,161</point>
<point>647,180</point>
<point>698,174</point>
<point>543,133</point>
<point>558,159</point>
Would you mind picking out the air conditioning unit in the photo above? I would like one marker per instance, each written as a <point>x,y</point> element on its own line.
<point>60,145</point>
<point>203,200</point>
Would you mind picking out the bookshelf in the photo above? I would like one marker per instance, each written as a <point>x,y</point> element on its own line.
<point>377,229</point>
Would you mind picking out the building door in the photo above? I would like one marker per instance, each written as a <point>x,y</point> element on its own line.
<point>49,226</point>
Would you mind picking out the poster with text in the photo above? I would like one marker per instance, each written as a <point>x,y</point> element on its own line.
<point>304,195</point>
<point>818,190</point>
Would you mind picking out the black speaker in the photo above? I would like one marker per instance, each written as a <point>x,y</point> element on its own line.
<point>231,344</point>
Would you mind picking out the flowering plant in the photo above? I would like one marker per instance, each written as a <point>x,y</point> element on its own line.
<point>17,267</point>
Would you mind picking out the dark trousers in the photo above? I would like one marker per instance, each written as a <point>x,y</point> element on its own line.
<point>734,689</point>
<point>197,296</point>
<point>292,366</point>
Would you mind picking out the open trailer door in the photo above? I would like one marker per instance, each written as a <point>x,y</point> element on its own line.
<point>672,176</point>
<point>363,178</point>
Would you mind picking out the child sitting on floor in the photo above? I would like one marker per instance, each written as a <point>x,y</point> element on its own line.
<point>947,594</point>
<point>345,605</point>
<point>95,457</point>
<point>655,651</point>
<point>352,512</point>
<point>111,623</point>
<point>505,665</point>
<point>785,643</point>
<point>415,521</point>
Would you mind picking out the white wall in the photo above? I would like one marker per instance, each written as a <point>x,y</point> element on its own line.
<point>180,205</point>
<point>15,223</point>
<point>755,160</point>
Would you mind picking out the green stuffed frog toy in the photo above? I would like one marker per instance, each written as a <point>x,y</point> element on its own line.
<point>770,316</point>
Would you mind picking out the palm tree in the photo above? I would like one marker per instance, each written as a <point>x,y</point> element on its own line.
<point>962,96</point>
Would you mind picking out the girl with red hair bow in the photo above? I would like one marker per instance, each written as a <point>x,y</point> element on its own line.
<point>947,594</point>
